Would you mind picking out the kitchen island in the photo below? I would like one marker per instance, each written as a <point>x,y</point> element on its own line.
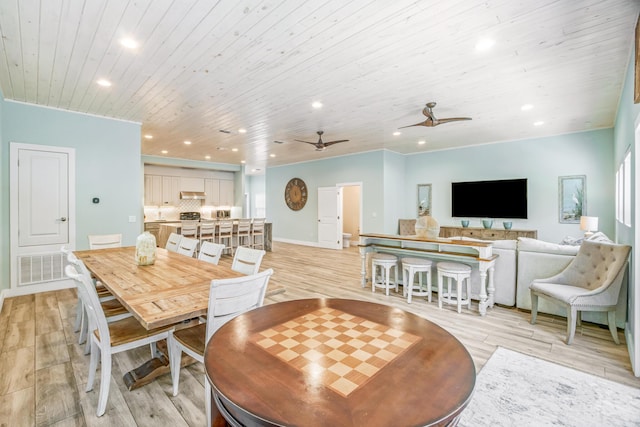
<point>166,228</point>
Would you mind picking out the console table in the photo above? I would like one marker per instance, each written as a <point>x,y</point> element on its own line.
<point>469,252</point>
<point>486,233</point>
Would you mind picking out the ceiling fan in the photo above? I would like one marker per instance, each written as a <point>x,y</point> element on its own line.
<point>321,145</point>
<point>431,119</point>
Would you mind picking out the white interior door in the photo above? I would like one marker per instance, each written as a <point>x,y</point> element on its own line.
<point>329,217</point>
<point>42,208</point>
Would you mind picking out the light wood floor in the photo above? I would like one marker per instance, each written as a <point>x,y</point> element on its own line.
<point>43,371</point>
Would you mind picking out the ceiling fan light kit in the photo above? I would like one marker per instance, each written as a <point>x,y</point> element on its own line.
<point>432,121</point>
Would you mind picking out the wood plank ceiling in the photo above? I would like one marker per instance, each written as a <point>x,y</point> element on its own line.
<point>203,66</point>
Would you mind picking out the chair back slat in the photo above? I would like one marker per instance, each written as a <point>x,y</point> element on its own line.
<point>246,260</point>
<point>189,228</point>
<point>187,246</point>
<point>103,241</point>
<point>210,252</point>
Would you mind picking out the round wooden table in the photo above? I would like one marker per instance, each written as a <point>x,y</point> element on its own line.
<point>320,362</point>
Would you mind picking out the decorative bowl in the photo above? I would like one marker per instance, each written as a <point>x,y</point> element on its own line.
<point>487,223</point>
<point>465,223</point>
<point>507,225</point>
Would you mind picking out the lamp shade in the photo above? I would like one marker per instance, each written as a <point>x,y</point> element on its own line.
<point>588,223</point>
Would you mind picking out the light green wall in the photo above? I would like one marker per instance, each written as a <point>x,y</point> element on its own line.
<point>541,161</point>
<point>624,139</point>
<point>108,166</point>
<point>394,167</point>
<point>4,204</point>
<point>302,225</point>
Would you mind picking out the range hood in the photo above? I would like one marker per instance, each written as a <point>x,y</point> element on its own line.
<point>193,195</point>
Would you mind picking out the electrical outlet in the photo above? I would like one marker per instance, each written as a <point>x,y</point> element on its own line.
<point>132,218</point>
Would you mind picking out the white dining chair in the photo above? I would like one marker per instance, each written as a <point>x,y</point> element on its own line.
<point>210,252</point>
<point>104,241</point>
<point>109,338</point>
<point>247,260</point>
<point>187,246</point>
<point>173,242</point>
<point>228,298</point>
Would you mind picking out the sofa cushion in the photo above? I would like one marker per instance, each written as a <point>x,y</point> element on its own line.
<point>497,244</point>
<point>534,245</point>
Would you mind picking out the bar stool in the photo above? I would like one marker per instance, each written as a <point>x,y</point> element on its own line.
<point>386,262</point>
<point>225,234</point>
<point>257,230</point>
<point>459,273</point>
<point>243,232</point>
<point>411,266</point>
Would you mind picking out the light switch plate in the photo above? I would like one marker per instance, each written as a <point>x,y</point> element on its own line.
<point>132,218</point>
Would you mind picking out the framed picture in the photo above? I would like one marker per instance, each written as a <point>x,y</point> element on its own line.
<point>424,199</point>
<point>572,198</point>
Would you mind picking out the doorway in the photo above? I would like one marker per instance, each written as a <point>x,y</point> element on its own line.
<point>351,212</point>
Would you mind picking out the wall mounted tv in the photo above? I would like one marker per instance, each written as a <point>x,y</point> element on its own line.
<point>505,198</point>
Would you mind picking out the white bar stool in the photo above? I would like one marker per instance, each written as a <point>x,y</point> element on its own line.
<point>411,266</point>
<point>459,273</point>
<point>386,262</point>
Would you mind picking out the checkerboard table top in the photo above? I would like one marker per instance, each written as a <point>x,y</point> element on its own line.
<point>341,349</point>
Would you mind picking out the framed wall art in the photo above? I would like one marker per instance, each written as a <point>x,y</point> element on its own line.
<point>424,199</point>
<point>572,198</point>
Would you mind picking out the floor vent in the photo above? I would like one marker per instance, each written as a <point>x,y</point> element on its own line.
<point>40,268</point>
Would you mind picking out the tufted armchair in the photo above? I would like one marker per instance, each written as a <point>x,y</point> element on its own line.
<point>591,282</point>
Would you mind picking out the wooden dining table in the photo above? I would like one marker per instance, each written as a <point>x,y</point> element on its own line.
<point>171,291</point>
<point>337,362</point>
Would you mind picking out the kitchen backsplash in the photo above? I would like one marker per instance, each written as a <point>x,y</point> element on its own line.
<point>172,213</point>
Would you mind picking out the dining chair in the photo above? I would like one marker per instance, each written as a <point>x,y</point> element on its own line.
<point>109,338</point>
<point>228,298</point>
<point>112,308</point>
<point>103,241</point>
<point>225,233</point>
<point>173,242</point>
<point>187,246</point>
<point>257,230</point>
<point>246,260</point>
<point>210,252</point>
<point>243,232</point>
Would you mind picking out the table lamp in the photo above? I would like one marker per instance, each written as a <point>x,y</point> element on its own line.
<point>589,224</point>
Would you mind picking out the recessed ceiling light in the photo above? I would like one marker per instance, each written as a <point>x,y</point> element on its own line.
<point>207,157</point>
<point>164,151</point>
<point>234,150</point>
<point>396,133</point>
<point>243,161</point>
<point>104,82</point>
<point>538,123</point>
<point>253,170</point>
<point>272,155</point>
<point>129,43</point>
<point>187,143</point>
<point>526,107</point>
<point>316,104</point>
<point>148,136</point>
<point>242,130</point>
<point>422,142</point>
<point>484,44</point>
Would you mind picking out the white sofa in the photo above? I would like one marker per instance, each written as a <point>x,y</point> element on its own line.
<point>538,260</point>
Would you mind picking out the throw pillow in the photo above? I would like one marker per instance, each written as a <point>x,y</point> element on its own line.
<point>568,240</point>
<point>599,237</point>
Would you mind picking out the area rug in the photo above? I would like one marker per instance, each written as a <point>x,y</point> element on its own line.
<point>514,389</point>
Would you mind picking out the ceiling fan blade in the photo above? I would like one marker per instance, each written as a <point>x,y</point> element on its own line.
<point>417,124</point>
<point>326,144</point>
<point>453,119</point>
<point>306,142</point>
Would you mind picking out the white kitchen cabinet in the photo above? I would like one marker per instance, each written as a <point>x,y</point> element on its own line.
<point>170,191</point>
<point>212,191</point>
<point>152,190</point>
<point>226,193</point>
<point>191,184</point>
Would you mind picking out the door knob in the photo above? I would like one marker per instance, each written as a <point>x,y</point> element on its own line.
<point>63,219</point>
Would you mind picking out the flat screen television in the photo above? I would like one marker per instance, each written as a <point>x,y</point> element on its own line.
<point>506,198</point>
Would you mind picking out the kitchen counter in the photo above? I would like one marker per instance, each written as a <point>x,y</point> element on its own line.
<point>168,227</point>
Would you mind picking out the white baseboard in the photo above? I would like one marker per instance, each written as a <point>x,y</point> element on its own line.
<point>296,242</point>
<point>36,289</point>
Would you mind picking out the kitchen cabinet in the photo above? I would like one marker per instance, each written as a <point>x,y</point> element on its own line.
<point>170,191</point>
<point>219,192</point>
<point>192,184</point>
<point>226,193</point>
<point>152,190</point>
